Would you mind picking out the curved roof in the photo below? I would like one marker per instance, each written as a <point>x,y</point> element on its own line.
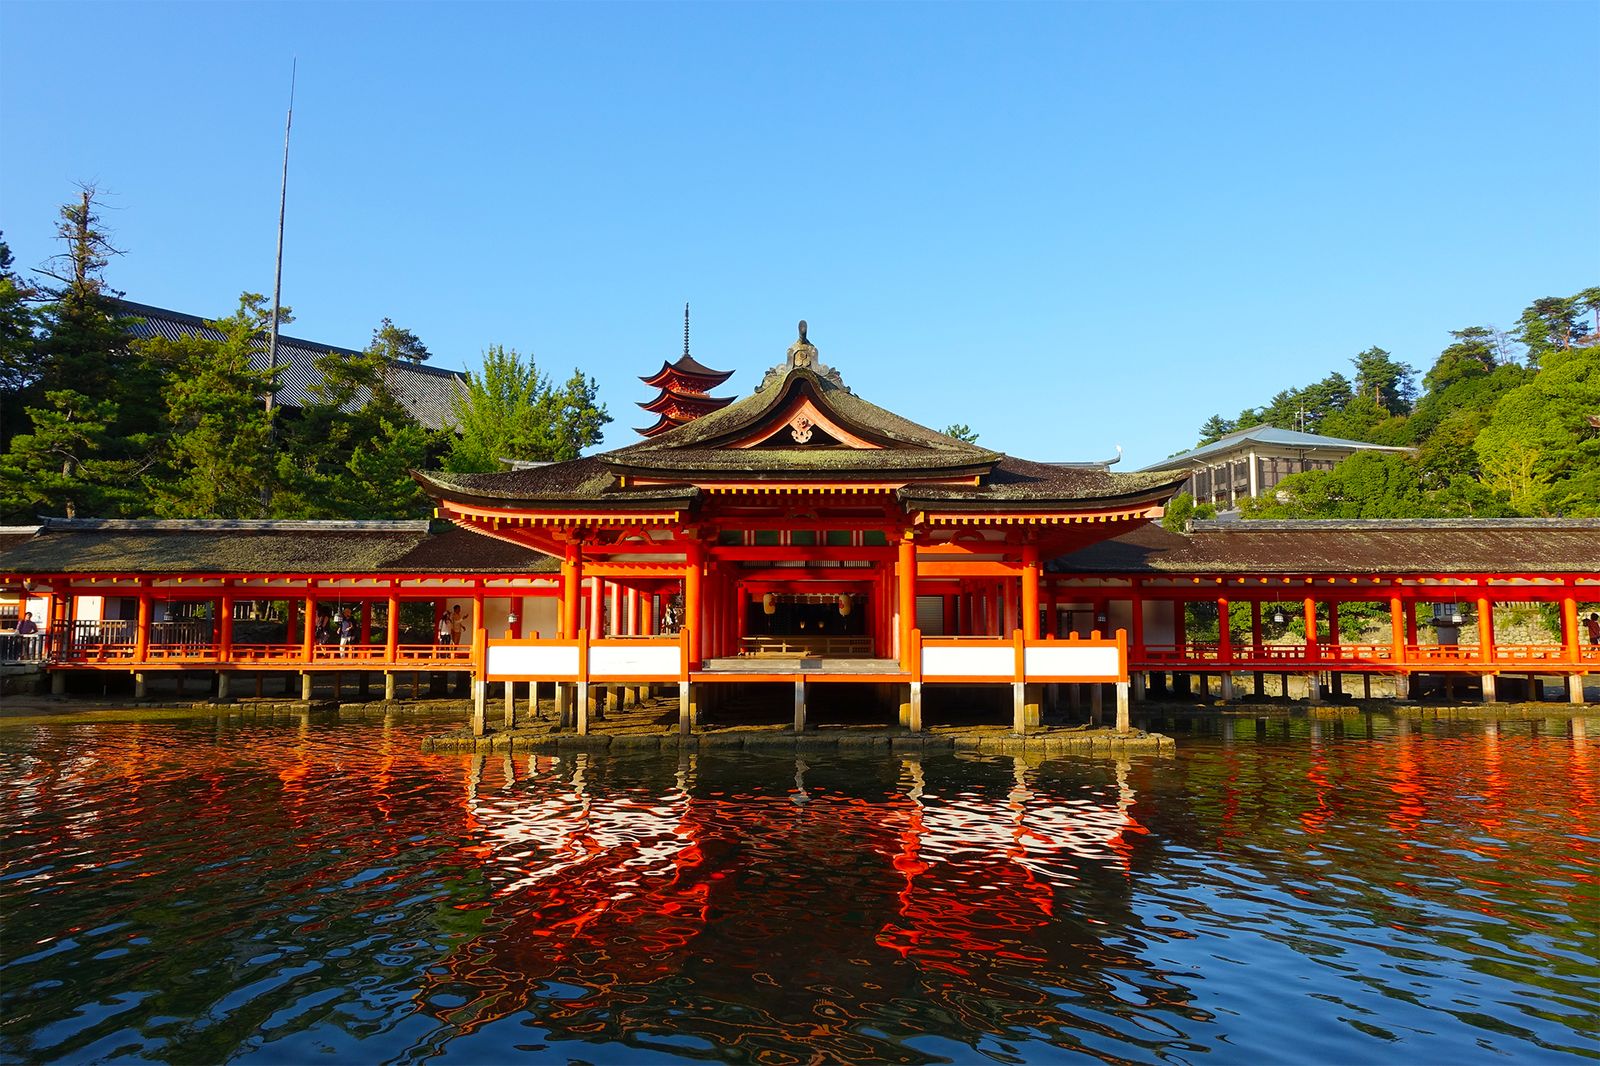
<point>686,367</point>
<point>1351,546</point>
<point>1270,435</point>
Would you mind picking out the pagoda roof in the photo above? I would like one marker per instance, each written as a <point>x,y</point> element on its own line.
<point>686,366</point>
<point>671,396</point>
<point>802,426</point>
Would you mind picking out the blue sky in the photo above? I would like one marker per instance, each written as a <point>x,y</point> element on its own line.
<point>1071,226</point>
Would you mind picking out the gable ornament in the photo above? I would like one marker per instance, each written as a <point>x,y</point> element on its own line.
<point>800,428</point>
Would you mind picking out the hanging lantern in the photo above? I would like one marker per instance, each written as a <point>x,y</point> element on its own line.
<point>769,603</point>
<point>1277,617</point>
<point>845,605</point>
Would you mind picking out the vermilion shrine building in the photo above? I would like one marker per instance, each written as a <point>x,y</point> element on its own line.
<point>802,537</point>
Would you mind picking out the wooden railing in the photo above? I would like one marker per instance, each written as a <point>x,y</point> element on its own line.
<point>822,647</point>
<point>1200,654</point>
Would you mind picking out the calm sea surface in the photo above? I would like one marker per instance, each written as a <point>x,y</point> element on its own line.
<point>1364,890</point>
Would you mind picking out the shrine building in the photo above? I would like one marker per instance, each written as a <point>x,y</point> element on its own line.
<point>795,539</point>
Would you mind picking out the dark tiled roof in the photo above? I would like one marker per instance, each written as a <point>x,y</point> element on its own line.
<point>690,367</point>
<point>1024,483</point>
<point>869,420</point>
<point>266,547</point>
<point>426,392</point>
<point>1416,546</point>
<point>586,480</point>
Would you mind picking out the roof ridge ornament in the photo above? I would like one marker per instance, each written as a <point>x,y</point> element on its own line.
<point>802,355</point>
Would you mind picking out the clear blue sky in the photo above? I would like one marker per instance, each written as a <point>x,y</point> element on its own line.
<point>1071,226</point>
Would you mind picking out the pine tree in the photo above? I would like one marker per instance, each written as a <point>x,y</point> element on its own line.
<point>218,461</point>
<point>351,451</point>
<point>510,411</point>
<point>59,467</point>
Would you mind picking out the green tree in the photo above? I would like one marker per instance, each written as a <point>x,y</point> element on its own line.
<point>1553,323</point>
<point>961,431</point>
<point>510,411</point>
<point>1182,510</point>
<point>218,460</point>
<point>351,451</point>
<point>1385,381</point>
<point>18,321</point>
<point>390,341</point>
<point>84,337</point>
<point>60,467</point>
<point>1539,445</point>
<point>1214,428</point>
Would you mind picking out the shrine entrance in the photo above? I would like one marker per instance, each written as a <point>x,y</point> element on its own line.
<point>819,624</point>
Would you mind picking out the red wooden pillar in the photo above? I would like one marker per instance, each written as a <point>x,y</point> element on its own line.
<point>571,580</point>
<point>906,571</point>
<point>1311,628</point>
<point>1485,629</point>
<point>691,601</point>
<point>225,624</point>
<point>141,636</point>
<point>597,608</point>
<point>1030,592</point>
<point>391,630</point>
<point>308,639</point>
<point>366,622</point>
<point>1224,634</point>
<point>1569,628</point>
<point>1255,629</point>
<point>951,607</point>
<point>1397,629</point>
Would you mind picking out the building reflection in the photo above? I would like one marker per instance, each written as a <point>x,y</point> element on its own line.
<point>736,903</point>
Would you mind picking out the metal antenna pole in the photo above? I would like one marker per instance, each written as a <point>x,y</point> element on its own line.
<point>277,276</point>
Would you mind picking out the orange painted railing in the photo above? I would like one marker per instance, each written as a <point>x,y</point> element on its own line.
<point>1199,655</point>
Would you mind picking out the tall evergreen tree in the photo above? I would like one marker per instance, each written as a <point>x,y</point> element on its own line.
<point>510,411</point>
<point>61,466</point>
<point>218,460</point>
<point>18,321</point>
<point>1387,382</point>
<point>351,450</point>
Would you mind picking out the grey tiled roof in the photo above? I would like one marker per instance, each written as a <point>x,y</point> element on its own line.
<point>1353,546</point>
<point>198,546</point>
<point>424,391</point>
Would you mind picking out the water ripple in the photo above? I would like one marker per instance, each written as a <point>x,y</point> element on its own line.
<point>1361,890</point>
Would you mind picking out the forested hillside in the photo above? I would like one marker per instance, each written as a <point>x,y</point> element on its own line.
<point>1502,423</point>
<point>96,423</point>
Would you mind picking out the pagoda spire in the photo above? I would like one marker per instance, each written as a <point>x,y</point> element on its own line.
<point>685,389</point>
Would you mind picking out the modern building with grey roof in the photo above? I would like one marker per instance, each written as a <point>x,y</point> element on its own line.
<point>425,391</point>
<point>1251,462</point>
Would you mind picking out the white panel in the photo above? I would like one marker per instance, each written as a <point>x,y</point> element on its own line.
<point>969,662</point>
<point>532,660</point>
<point>539,616</point>
<point>88,608</point>
<point>637,661</point>
<point>1067,661</point>
<point>496,610</point>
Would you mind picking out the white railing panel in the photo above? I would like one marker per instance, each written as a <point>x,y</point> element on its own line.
<point>659,660</point>
<point>1068,661</point>
<point>551,662</point>
<point>998,662</point>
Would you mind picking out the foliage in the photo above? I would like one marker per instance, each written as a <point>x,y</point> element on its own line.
<point>61,464</point>
<point>510,411</point>
<point>389,341</point>
<point>218,460</point>
<point>94,422</point>
<point>353,447</point>
<point>1182,510</point>
<point>1490,433</point>
<point>961,431</point>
